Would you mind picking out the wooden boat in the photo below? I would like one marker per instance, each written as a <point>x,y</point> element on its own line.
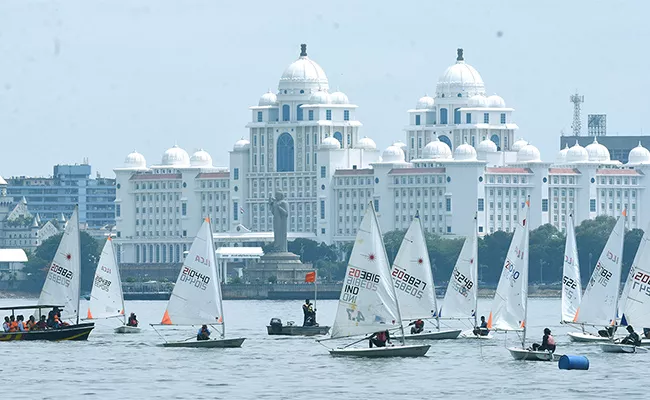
<point>127,329</point>
<point>196,298</point>
<point>70,332</point>
<point>295,330</point>
<point>368,302</point>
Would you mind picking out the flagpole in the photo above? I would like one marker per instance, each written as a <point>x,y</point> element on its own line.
<point>315,289</point>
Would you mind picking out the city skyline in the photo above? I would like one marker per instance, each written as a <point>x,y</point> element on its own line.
<point>73,78</point>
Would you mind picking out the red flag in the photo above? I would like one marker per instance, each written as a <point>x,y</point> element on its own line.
<point>310,276</point>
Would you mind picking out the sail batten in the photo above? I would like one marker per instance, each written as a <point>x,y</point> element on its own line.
<point>106,299</point>
<point>571,286</point>
<point>461,295</point>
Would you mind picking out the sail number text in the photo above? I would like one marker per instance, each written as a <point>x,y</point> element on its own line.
<point>640,283</point>
<point>195,278</point>
<point>461,283</point>
<point>356,280</point>
<point>601,274</point>
<point>102,283</point>
<point>509,268</point>
<point>408,283</point>
<point>570,285</point>
<point>60,275</point>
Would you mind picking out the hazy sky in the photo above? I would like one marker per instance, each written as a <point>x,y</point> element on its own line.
<point>98,79</point>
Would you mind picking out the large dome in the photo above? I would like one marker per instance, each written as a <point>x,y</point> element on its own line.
<point>576,154</point>
<point>465,152</point>
<point>561,156</point>
<point>135,160</point>
<point>241,145</point>
<point>366,143</point>
<point>487,146</point>
<point>392,154</point>
<point>339,98</point>
<point>330,143</point>
<point>518,145</point>
<point>639,155</point>
<point>597,152</point>
<point>176,157</point>
<point>425,103</point>
<point>460,78</point>
<point>201,159</point>
<point>528,153</point>
<point>303,74</point>
<point>436,150</point>
<point>268,99</point>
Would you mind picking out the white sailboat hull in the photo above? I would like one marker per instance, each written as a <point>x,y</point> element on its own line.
<point>584,337</point>
<point>438,335</point>
<point>380,352</point>
<point>208,344</point>
<point>127,329</point>
<point>621,348</point>
<point>469,334</point>
<point>530,355</point>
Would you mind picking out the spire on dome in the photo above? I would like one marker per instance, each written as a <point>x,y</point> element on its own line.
<point>460,55</point>
<point>303,50</point>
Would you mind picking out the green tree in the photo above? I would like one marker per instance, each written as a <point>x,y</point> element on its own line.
<point>546,256</point>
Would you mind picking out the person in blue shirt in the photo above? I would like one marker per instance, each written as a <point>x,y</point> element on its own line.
<point>482,330</point>
<point>203,333</point>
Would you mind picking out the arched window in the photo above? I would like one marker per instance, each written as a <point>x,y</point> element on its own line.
<point>457,116</point>
<point>338,136</point>
<point>286,112</point>
<point>443,116</point>
<point>497,141</point>
<point>178,253</point>
<point>164,253</point>
<point>157,253</point>
<point>445,139</point>
<point>151,253</point>
<point>299,112</point>
<point>171,253</point>
<point>285,153</point>
<point>137,254</point>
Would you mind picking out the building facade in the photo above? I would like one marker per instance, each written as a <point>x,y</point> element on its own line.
<point>619,146</point>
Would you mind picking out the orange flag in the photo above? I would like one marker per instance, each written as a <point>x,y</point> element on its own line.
<point>310,276</point>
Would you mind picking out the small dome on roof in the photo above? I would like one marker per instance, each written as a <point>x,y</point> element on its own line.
<point>597,152</point>
<point>425,103</point>
<point>487,146</point>
<point>465,152</point>
<point>436,150</point>
<point>561,156</point>
<point>528,153</point>
<point>478,101</point>
<point>320,97</point>
<point>577,153</point>
<point>175,156</point>
<point>518,145</point>
<point>639,155</point>
<point>201,159</point>
<point>133,160</point>
<point>495,101</point>
<point>268,99</point>
<point>241,145</point>
<point>401,145</point>
<point>339,98</point>
<point>366,143</point>
<point>392,154</point>
<point>330,143</point>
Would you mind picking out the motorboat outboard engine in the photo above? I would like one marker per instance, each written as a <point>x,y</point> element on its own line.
<point>276,325</point>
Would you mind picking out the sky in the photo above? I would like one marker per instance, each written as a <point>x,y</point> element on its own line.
<point>97,79</point>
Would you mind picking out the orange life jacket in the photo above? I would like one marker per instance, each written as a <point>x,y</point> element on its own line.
<point>13,326</point>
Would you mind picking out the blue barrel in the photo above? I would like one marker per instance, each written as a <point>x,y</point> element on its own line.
<point>573,362</point>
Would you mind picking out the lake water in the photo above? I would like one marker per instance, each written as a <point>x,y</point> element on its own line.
<point>110,366</point>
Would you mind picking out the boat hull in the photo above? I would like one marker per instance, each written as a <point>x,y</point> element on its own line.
<point>208,344</point>
<point>439,335</point>
<point>621,348</point>
<point>294,330</point>
<point>530,355</point>
<point>583,337</point>
<point>127,329</point>
<point>381,352</point>
<point>71,332</point>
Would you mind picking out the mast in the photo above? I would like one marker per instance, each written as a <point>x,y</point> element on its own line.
<point>622,243</point>
<point>475,255</point>
<point>526,223</point>
<point>76,209</point>
<point>433,284</point>
<point>119,279</point>
<point>217,282</point>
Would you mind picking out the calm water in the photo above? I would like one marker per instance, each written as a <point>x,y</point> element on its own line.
<point>111,366</point>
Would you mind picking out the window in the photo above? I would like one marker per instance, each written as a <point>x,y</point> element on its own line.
<point>468,118</point>
<point>457,116</point>
<point>118,210</point>
<point>448,205</point>
<point>443,116</point>
<point>481,204</point>
<point>417,120</point>
<point>311,115</point>
<point>328,115</point>
<point>323,171</point>
<point>419,143</point>
<point>544,205</point>
<point>486,118</point>
<point>503,118</point>
<point>285,153</point>
<point>259,116</point>
<point>286,112</point>
<point>376,201</point>
<point>338,136</point>
<point>346,115</point>
<point>449,229</point>
<point>299,112</point>
<point>322,209</point>
<point>236,173</point>
<point>235,210</point>
<point>262,139</point>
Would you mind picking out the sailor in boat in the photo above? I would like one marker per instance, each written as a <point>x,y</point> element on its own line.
<point>309,314</point>
<point>203,333</point>
<point>379,339</point>
<point>632,338</point>
<point>133,320</point>
<point>646,333</point>
<point>21,324</point>
<point>13,324</point>
<point>5,325</point>
<point>607,332</point>
<point>418,326</point>
<point>41,325</point>
<point>482,330</point>
<point>31,323</point>
<point>548,342</point>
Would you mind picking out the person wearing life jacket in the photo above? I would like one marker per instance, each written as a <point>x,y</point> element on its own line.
<point>5,325</point>
<point>418,326</point>
<point>13,324</point>
<point>50,316</point>
<point>379,339</point>
<point>41,325</point>
<point>133,320</point>
<point>31,323</point>
<point>203,333</point>
<point>548,342</point>
<point>309,314</point>
<point>482,330</point>
<point>633,337</point>
<point>21,324</point>
<point>57,321</point>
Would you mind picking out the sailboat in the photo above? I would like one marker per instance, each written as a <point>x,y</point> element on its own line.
<point>461,297</point>
<point>368,302</point>
<point>106,297</point>
<point>414,286</point>
<point>635,300</point>
<point>571,287</point>
<point>600,300</point>
<point>196,298</point>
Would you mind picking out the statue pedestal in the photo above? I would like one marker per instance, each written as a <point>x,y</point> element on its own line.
<point>284,266</point>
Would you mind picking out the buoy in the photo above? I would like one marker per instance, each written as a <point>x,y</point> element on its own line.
<point>573,362</point>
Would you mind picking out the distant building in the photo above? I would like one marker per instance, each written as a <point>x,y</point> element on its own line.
<point>619,146</point>
<point>55,197</point>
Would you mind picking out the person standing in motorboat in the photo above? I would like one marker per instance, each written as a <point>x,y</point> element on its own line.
<point>379,339</point>
<point>5,325</point>
<point>309,314</point>
<point>418,326</point>
<point>133,320</point>
<point>548,342</point>
<point>632,338</point>
<point>203,333</point>
<point>482,330</point>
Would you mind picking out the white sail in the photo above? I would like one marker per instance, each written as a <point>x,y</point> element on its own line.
<point>571,287</point>
<point>196,298</point>
<point>62,284</point>
<point>635,301</point>
<point>106,299</point>
<point>461,295</point>
<point>368,301</point>
<point>412,275</point>
<point>598,305</point>
<point>508,312</point>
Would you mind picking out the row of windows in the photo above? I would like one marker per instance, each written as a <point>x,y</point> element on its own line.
<point>286,114</point>
<point>157,185</point>
<point>457,117</point>
<point>618,193</point>
<point>419,192</point>
<point>506,179</point>
<point>157,197</point>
